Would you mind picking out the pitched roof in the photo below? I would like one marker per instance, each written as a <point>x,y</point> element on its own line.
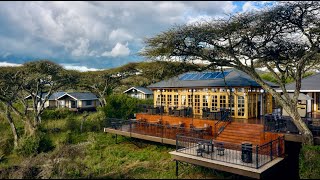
<point>56,95</point>
<point>53,96</point>
<point>233,78</point>
<point>310,83</point>
<point>141,89</point>
<point>81,95</point>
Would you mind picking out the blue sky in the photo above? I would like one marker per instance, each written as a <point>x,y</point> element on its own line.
<point>96,35</point>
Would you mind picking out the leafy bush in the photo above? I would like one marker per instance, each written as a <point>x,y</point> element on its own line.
<point>45,144</point>
<point>6,145</point>
<point>28,146</point>
<point>309,162</point>
<point>123,106</point>
<point>59,113</point>
<point>72,124</point>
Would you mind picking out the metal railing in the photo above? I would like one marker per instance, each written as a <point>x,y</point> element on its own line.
<point>277,123</point>
<point>221,124</point>
<point>183,111</point>
<point>156,129</point>
<point>248,155</point>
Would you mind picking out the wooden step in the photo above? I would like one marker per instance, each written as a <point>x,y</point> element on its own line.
<point>239,142</point>
<point>242,135</point>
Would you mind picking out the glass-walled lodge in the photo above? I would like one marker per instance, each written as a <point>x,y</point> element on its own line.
<point>243,102</point>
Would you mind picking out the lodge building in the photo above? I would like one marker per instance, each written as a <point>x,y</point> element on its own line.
<point>231,89</point>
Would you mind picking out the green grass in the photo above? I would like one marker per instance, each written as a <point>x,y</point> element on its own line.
<point>310,162</point>
<point>94,154</point>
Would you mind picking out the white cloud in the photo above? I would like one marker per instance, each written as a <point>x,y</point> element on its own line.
<point>9,64</point>
<point>118,50</point>
<point>79,68</point>
<point>119,35</point>
<point>73,31</point>
<point>249,6</point>
<point>82,49</point>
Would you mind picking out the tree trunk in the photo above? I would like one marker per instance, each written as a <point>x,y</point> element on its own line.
<point>303,128</point>
<point>29,128</point>
<point>13,128</point>
<point>103,101</point>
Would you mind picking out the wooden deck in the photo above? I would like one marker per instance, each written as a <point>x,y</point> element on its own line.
<point>164,140</point>
<point>225,166</point>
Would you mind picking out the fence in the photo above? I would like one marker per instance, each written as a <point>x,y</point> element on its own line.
<point>156,129</point>
<point>276,123</point>
<point>241,154</point>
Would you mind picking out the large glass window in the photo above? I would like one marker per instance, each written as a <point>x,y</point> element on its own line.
<point>197,103</point>
<point>158,100</point>
<point>163,100</point>
<point>169,100</point>
<point>223,101</point>
<point>205,101</point>
<point>240,106</point>
<point>190,101</point>
<point>175,100</point>
<point>183,100</point>
<point>214,102</point>
<point>232,104</point>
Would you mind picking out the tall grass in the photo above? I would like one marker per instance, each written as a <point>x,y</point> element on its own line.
<point>90,153</point>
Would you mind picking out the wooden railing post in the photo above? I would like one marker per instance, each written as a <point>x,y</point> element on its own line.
<point>271,150</point>
<point>257,156</point>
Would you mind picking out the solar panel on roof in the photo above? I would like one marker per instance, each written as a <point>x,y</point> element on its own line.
<point>221,75</point>
<point>197,76</point>
<point>183,77</point>
<point>204,76</point>
<point>213,75</point>
<point>186,76</point>
<point>191,76</point>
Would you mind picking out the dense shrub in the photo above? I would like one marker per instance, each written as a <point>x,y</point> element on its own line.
<point>72,124</point>
<point>59,113</point>
<point>310,162</point>
<point>28,146</point>
<point>6,145</point>
<point>45,144</point>
<point>123,106</point>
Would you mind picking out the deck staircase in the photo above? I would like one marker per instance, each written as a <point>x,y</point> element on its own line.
<point>237,133</point>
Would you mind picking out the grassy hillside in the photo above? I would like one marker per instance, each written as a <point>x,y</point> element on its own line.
<point>90,153</point>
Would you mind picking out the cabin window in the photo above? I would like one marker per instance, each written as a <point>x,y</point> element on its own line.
<point>190,100</point>
<point>223,101</point>
<point>214,102</point>
<point>163,100</point>
<point>205,101</point>
<point>183,100</point>
<point>240,106</point>
<point>158,100</point>
<point>197,103</point>
<point>88,103</point>
<point>169,100</point>
<point>232,104</point>
<point>175,100</point>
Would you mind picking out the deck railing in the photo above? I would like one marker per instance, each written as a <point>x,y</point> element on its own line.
<point>156,129</point>
<point>221,124</point>
<point>244,154</point>
<point>277,123</point>
<point>183,111</point>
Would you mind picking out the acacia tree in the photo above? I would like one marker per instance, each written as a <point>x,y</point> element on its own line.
<point>41,79</point>
<point>285,39</point>
<point>10,87</point>
<point>100,83</point>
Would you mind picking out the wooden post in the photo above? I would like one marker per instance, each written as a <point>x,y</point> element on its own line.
<point>257,156</point>
<point>177,169</point>
<point>271,150</point>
